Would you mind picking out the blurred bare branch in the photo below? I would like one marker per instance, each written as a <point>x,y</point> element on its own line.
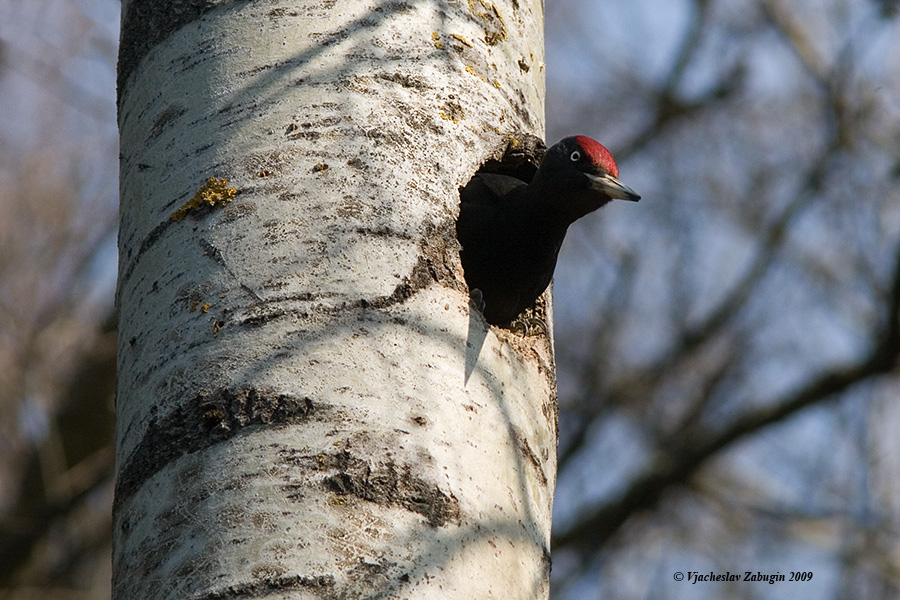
<point>787,161</point>
<point>57,342</point>
<point>677,463</point>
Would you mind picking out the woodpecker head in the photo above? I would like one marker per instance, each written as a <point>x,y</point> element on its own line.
<point>587,173</point>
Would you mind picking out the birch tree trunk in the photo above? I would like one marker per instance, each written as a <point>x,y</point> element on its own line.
<point>306,407</point>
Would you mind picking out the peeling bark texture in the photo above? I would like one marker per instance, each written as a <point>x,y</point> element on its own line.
<point>307,406</point>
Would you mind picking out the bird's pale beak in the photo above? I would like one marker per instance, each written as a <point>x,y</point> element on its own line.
<point>612,187</point>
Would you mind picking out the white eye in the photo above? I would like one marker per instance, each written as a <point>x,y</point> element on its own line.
<point>575,156</point>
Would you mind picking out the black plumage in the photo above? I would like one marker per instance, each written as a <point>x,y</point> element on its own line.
<point>511,231</point>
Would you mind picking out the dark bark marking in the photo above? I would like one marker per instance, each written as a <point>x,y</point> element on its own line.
<point>405,79</point>
<point>170,114</point>
<point>492,22</point>
<point>207,419</point>
<point>529,455</point>
<point>439,251</point>
<point>388,484</point>
<point>321,586</point>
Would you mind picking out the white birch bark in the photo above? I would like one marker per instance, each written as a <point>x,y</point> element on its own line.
<point>305,408</point>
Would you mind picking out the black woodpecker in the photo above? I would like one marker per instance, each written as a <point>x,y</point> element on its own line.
<point>511,231</point>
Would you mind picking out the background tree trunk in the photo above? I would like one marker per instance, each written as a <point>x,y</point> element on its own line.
<point>305,404</point>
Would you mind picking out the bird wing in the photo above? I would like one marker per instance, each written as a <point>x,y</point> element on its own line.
<point>500,185</point>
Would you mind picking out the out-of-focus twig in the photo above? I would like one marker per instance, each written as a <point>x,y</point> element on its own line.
<point>676,465</point>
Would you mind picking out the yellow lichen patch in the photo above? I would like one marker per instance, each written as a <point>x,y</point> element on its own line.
<point>460,38</point>
<point>494,26</point>
<point>204,306</point>
<point>213,416</point>
<point>215,192</point>
<point>471,71</point>
<point>453,112</point>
